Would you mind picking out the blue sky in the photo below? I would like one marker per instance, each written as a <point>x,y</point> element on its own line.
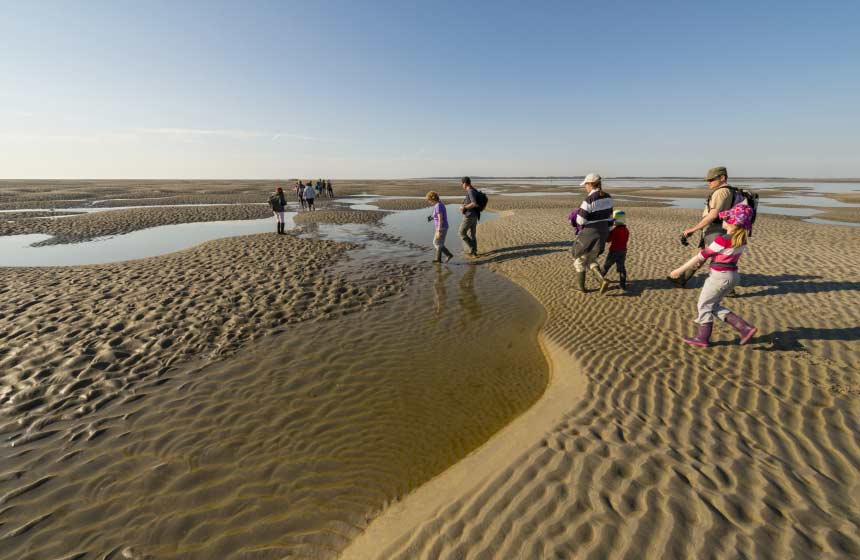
<point>127,89</point>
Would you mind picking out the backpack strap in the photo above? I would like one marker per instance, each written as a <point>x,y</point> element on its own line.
<point>734,191</point>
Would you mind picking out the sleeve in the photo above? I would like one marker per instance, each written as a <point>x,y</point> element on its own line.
<point>473,198</point>
<point>582,213</point>
<point>722,199</point>
<point>716,247</point>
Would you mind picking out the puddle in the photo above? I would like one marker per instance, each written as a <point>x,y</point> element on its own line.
<point>295,442</point>
<point>831,222</point>
<point>767,205</point>
<point>93,209</point>
<point>546,193</point>
<point>16,250</point>
<point>412,225</point>
<point>351,413</point>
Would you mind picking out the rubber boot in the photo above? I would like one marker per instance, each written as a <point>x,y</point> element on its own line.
<point>438,257</point>
<point>277,227</point>
<point>703,336</point>
<point>622,281</point>
<point>579,286</point>
<point>604,283</point>
<point>745,329</point>
<point>448,254</point>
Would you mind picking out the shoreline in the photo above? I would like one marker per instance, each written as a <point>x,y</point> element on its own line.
<point>397,521</point>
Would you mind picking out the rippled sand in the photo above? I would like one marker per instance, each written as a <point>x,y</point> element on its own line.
<point>216,403</point>
<point>672,451</point>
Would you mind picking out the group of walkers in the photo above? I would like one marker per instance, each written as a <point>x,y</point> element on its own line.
<point>471,208</point>
<point>725,227</point>
<point>306,195</point>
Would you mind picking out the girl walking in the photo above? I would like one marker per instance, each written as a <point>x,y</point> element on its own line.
<point>725,251</point>
<point>440,222</point>
<point>279,204</point>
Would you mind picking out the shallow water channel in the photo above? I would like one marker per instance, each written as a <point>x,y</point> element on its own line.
<point>291,447</point>
<point>18,250</point>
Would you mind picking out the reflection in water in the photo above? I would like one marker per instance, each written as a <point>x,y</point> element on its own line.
<point>469,304</point>
<point>440,291</point>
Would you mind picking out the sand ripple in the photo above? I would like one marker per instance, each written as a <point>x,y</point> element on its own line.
<point>289,448</point>
<point>675,452</point>
<point>73,339</point>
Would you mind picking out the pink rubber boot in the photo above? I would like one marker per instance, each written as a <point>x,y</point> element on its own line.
<point>745,329</point>
<point>703,336</point>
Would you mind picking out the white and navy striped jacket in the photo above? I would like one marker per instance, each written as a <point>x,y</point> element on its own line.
<point>596,209</point>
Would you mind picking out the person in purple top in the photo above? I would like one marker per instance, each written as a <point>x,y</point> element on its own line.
<point>440,223</point>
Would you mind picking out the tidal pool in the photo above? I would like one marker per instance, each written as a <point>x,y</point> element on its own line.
<point>17,250</point>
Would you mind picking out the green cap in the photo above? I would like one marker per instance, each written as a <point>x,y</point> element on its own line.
<point>715,172</point>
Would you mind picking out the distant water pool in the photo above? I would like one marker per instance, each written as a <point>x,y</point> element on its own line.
<point>17,250</point>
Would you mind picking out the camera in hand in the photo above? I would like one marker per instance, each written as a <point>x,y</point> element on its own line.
<point>429,218</point>
<point>685,241</point>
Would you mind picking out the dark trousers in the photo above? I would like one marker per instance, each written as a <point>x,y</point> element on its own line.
<point>616,259</point>
<point>468,227</point>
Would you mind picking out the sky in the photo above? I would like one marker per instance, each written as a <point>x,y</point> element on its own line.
<point>359,89</point>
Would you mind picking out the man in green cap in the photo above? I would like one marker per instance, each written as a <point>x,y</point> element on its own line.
<point>721,197</point>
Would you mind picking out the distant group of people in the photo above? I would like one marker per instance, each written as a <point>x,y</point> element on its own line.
<point>307,193</point>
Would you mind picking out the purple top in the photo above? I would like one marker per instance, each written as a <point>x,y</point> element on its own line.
<point>440,216</point>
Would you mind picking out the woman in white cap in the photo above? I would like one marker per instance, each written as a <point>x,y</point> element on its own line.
<point>591,222</point>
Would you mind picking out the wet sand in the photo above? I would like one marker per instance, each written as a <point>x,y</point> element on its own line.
<point>83,227</point>
<point>288,447</point>
<point>640,447</point>
<point>671,451</point>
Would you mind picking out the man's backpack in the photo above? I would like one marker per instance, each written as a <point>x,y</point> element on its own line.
<point>743,196</point>
<point>481,199</point>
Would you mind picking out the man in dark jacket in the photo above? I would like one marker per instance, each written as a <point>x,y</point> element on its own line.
<point>471,215</point>
<point>591,222</point>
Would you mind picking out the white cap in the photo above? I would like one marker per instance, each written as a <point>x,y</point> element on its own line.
<point>591,178</point>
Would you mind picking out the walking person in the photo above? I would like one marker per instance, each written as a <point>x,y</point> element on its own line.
<point>279,204</point>
<point>471,214</point>
<point>591,222</point>
<point>618,238</point>
<point>725,251</point>
<point>440,225</point>
<point>329,189</point>
<point>720,199</point>
<point>309,197</point>
<point>300,193</point>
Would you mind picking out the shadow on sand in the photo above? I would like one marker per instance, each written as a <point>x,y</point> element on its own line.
<point>523,251</point>
<point>790,339</point>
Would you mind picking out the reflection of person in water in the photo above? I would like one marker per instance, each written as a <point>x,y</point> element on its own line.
<point>469,304</point>
<point>440,292</point>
